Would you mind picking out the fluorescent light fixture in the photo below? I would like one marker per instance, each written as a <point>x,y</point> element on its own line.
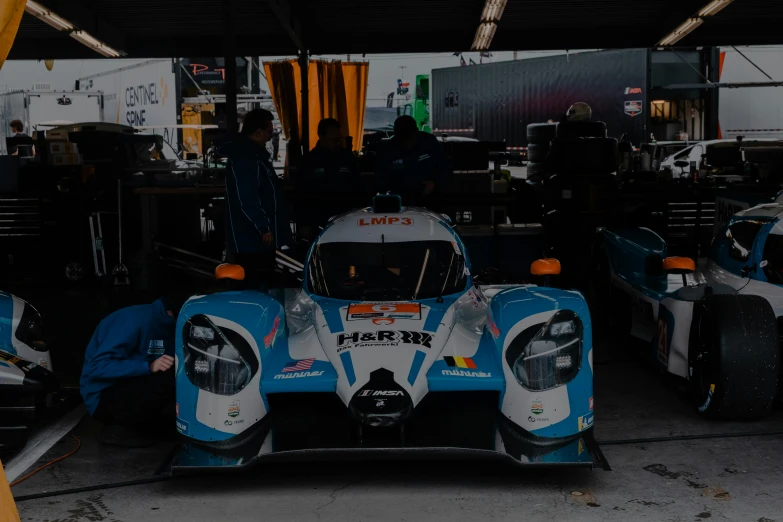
<point>484,36</point>
<point>493,10</point>
<point>95,44</point>
<point>714,7</point>
<point>46,16</point>
<point>682,31</point>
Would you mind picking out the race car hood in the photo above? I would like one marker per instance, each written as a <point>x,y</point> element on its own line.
<point>402,339</point>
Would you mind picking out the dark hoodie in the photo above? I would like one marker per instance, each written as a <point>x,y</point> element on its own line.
<point>256,203</point>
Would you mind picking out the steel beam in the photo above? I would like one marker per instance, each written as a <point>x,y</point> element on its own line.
<point>289,21</point>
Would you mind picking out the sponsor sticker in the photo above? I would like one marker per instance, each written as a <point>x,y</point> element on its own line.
<point>493,328</point>
<point>176,409</point>
<point>43,362</point>
<point>233,409</point>
<point>591,404</point>
<point>359,311</point>
<point>298,375</point>
<point>385,220</point>
<point>532,419</point>
<point>228,422</point>
<point>537,406</point>
<point>156,347</point>
<point>383,338</point>
<point>270,337</point>
<point>183,426</point>
<point>586,421</point>
<point>298,366</point>
<point>633,108</point>
<point>465,373</point>
<point>633,90</point>
<point>460,362</point>
<point>383,321</point>
<point>381,393</point>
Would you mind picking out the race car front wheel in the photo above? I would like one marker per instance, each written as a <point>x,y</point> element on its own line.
<point>734,356</point>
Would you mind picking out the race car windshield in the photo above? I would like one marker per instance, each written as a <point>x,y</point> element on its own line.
<point>387,271</point>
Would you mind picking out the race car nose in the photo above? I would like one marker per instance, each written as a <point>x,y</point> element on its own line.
<point>381,402</point>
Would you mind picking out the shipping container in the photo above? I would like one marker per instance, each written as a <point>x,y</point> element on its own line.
<point>34,108</point>
<point>753,112</point>
<point>635,92</point>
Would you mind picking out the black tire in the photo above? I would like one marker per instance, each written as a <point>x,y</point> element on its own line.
<point>541,133</point>
<point>536,152</point>
<point>583,157</point>
<point>734,356</point>
<point>537,169</point>
<point>581,129</point>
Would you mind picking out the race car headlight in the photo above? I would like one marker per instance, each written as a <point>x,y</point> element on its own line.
<point>547,355</point>
<point>30,329</point>
<point>217,359</point>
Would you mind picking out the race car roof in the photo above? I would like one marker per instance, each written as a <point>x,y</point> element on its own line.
<point>366,226</point>
<point>767,210</point>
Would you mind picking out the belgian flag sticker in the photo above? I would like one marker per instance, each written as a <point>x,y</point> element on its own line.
<point>460,362</point>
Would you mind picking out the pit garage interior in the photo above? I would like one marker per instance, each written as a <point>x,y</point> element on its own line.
<point>664,461</point>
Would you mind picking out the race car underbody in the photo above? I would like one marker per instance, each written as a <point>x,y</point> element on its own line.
<point>389,348</point>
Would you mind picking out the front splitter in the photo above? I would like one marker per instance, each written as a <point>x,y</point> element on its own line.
<point>580,452</point>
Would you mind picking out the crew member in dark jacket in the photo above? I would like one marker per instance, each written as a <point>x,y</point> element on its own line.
<point>257,214</point>
<point>413,163</point>
<point>328,170</point>
<point>127,381</point>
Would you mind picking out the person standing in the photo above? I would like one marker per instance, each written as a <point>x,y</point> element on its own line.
<point>17,131</point>
<point>329,169</point>
<point>413,163</point>
<point>257,213</point>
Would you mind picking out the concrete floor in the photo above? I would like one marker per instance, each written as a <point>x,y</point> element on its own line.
<point>721,478</point>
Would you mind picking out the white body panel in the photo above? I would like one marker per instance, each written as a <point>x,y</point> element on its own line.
<point>518,401</point>
<point>234,413</point>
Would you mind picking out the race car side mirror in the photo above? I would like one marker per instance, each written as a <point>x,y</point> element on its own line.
<point>229,271</point>
<point>679,265</point>
<point>545,267</point>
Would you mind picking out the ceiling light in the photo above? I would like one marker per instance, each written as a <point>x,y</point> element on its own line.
<point>46,16</point>
<point>682,31</point>
<point>97,45</point>
<point>493,10</point>
<point>714,7</point>
<point>484,36</point>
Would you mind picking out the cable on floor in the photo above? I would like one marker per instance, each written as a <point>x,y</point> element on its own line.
<point>55,461</point>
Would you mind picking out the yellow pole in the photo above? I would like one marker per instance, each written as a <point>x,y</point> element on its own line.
<point>10,16</point>
<point>8,512</point>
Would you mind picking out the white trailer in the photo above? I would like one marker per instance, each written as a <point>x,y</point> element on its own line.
<point>753,112</point>
<point>140,95</point>
<point>36,107</point>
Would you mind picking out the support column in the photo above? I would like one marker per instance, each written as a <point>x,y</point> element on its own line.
<point>711,97</point>
<point>304,62</point>
<point>229,52</point>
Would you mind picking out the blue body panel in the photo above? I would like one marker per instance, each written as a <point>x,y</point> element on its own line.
<point>6,326</point>
<point>510,306</point>
<point>630,251</point>
<point>486,360</point>
<point>254,311</point>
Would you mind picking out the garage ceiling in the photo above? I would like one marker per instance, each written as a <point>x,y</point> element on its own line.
<point>166,28</point>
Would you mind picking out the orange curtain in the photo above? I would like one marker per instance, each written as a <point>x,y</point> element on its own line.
<point>10,17</point>
<point>336,90</point>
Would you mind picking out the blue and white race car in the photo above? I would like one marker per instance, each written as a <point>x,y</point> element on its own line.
<point>716,327</point>
<point>387,347</point>
<point>25,368</point>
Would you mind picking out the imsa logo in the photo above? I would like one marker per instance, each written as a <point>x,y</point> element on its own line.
<point>384,338</point>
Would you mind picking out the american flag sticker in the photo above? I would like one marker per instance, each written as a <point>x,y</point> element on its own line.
<point>298,366</point>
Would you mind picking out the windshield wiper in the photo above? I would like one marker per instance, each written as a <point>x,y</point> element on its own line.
<point>421,275</point>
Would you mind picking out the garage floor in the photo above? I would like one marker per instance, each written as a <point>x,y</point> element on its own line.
<point>726,478</point>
